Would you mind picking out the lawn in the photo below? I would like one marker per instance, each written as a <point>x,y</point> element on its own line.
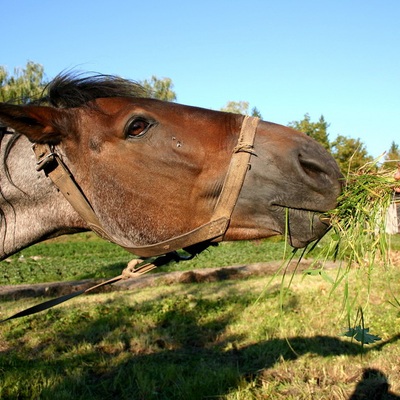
<point>84,256</point>
<point>248,339</point>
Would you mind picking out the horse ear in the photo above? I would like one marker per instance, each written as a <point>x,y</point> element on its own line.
<point>37,123</point>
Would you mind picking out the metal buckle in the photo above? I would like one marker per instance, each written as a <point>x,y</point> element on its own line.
<point>45,161</point>
<point>44,156</point>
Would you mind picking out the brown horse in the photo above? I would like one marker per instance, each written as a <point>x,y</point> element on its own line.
<point>153,170</point>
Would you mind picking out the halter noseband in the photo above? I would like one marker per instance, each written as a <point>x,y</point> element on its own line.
<point>212,231</point>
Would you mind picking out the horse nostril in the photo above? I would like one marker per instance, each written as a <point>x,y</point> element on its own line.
<point>313,168</point>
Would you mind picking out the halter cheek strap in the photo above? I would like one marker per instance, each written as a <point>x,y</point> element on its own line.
<point>214,230</point>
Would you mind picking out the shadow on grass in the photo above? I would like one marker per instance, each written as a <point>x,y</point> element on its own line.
<point>374,385</point>
<point>182,355</point>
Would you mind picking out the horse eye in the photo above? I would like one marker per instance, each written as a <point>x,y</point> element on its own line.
<point>137,128</point>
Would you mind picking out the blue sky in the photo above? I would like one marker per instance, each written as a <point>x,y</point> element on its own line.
<point>286,57</point>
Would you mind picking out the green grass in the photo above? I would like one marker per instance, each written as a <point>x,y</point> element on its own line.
<point>249,339</point>
<point>84,256</point>
<point>227,340</point>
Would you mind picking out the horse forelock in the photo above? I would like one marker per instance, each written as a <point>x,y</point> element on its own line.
<point>70,90</point>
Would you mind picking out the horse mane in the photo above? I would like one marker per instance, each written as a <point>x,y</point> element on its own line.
<point>69,90</point>
<point>74,89</point>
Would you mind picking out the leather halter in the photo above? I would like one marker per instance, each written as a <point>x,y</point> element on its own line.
<point>212,231</point>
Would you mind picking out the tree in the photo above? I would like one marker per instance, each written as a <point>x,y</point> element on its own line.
<point>161,89</point>
<point>24,85</point>
<point>256,113</point>
<point>392,154</point>
<point>350,154</point>
<point>241,107</point>
<point>236,107</point>
<point>316,130</point>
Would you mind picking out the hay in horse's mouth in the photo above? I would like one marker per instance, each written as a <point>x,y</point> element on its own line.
<point>361,218</point>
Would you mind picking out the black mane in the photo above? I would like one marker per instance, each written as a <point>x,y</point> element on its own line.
<point>76,90</point>
<point>68,90</point>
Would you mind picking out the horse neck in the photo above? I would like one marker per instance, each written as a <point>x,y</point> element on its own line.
<point>31,209</point>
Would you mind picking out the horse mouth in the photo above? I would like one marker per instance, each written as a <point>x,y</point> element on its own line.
<point>303,226</point>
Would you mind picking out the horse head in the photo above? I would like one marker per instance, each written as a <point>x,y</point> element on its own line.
<point>154,170</point>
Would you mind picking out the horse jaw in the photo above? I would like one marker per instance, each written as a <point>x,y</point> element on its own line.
<point>32,209</point>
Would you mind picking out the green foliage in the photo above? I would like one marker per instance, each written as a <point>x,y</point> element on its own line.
<point>160,88</point>
<point>24,85</point>
<point>241,107</point>
<point>351,154</point>
<point>316,130</point>
<point>255,112</point>
<point>236,107</point>
<point>392,157</point>
<point>362,335</point>
<point>360,332</point>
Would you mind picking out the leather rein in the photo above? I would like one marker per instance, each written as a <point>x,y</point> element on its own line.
<point>193,242</point>
<point>214,230</point>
